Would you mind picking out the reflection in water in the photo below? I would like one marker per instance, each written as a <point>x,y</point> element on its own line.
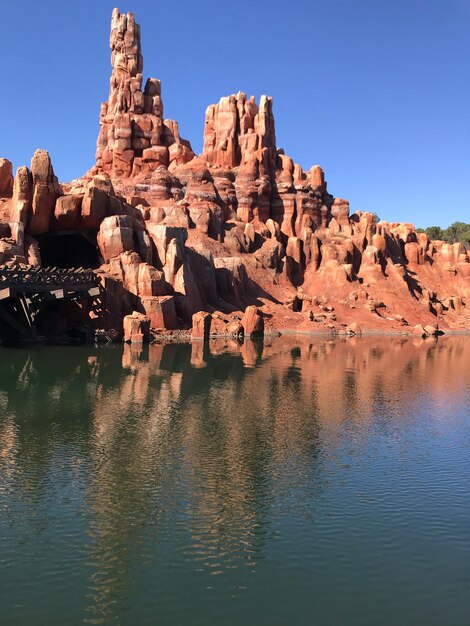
<point>258,483</point>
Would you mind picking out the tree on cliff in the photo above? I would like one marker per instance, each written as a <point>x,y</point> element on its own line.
<point>458,231</point>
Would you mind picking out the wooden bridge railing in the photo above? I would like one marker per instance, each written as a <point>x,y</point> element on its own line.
<point>43,276</point>
<point>24,290</point>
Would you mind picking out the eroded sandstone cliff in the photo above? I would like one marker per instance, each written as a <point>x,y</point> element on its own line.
<point>238,226</point>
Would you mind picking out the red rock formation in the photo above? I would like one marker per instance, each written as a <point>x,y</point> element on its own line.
<point>136,328</point>
<point>240,228</point>
<point>252,322</point>
<point>201,325</point>
<point>6,178</point>
<point>134,137</point>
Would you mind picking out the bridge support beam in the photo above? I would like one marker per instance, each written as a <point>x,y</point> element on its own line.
<point>25,291</point>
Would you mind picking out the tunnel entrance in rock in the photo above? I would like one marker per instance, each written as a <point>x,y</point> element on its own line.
<point>69,250</point>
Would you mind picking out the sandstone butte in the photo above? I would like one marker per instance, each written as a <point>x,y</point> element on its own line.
<point>238,239</point>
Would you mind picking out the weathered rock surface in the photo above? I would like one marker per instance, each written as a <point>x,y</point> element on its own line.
<point>252,322</point>
<point>116,235</point>
<point>136,328</point>
<point>134,136</point>
<point>201,325</point>
<point>238,240</point>
<point>6,177</point>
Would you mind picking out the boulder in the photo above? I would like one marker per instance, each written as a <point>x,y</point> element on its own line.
<point>161,311</point>
<point>136,328</point>
<point>419,330</point>
<point>235,329</point>
<point>129,265</point>
<point>95,204</point>
<point>201,325</point>
<point>270,254</point>
<point>218,326</point>
<point>431,330</point>
<point>151,281</point>
<point>252,322</point>
<point>115,236</point>
<point>354,329</point>
<point>67,212</point>
<point>42,209</point>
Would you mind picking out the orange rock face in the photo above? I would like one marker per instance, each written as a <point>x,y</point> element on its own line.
<point>238,240</point>
<point>252,322</point>
<point>6,178</point>
<point>134,137</point>
<point>136,328</point>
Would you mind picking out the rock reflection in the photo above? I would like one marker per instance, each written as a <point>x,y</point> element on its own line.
<point>205,447</point>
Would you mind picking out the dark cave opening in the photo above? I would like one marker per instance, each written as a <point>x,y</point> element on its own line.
<point>69,250</point>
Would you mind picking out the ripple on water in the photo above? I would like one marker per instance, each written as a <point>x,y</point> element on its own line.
<point>325,483</point>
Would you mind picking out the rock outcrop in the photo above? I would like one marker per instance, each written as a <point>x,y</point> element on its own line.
<point>238,240</point>
<point>134,137</point>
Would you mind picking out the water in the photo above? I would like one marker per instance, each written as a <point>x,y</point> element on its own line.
<point>303,482</point>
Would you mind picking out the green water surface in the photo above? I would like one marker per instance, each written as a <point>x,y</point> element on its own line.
<point>299,482</point>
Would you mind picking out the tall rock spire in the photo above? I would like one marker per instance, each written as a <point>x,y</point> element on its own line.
<point>125,93</point>
<point>134,138</point>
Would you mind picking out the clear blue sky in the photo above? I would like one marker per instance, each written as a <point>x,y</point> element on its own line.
<point>375,91</point>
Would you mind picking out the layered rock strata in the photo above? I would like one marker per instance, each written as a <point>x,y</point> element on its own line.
<point>134,136</point>
<point>240,232</point>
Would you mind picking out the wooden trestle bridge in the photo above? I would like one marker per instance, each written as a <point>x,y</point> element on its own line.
<point>25,290</point>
